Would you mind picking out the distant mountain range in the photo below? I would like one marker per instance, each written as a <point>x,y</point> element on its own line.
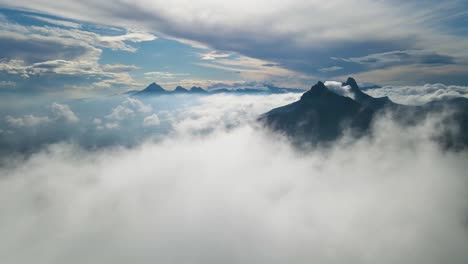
<point>321,115</point>
<point>155,90</point>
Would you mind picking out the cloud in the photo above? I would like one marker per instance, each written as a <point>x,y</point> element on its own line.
<point>128,108</point>
<point>416,95</point>
<point>213,55</point>
<point>152,120</point>
<point>415,75</point>
<point>27,121</point>
<point>118,120</point>
<point>58,112</point>
<point>57,22</point>
<point>226,111</point>
<point>33,44</point>
<point>120,113</point>
<point>51,52</point>
<point>63,112</point>
<point>238,85</point>
<point>239,195</point>
<point>401,57</point>
<point>163,75</point>
<point>132,36</point>
<point>330,69</point>
<point>101,76</point>
<point>337,88</point>
<point>254,69</point>
<point>283,33</point>
<point>119,68</point>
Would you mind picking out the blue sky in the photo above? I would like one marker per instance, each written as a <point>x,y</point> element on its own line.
<point>85,48</point>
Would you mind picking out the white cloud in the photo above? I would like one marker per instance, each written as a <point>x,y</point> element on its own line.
<point>110,74</point>
<point>120,112</point>
<point>241,195</point>
<point>27,121</point>
<point>253,69</point>
<point>112,125</point>
<point>152,120</point>
<point>213,55</point>
<point>163,75</point>
<point>416,95</point>
<point>63,112</point>
<point>58,112</point>
<point>282,31</point>
<point>138,105</point>
<point>128,108</point>
<point>226,111</point>
<point>132,36</point>
<point>57,22</point>
<point>330,69</point>
<point>266,20</point>
<point>36,51</point>
<point>337,88</point>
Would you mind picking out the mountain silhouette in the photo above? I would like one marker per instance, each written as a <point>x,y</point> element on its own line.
<point>365,99</point>
<point>198,90</point>
<point>180,90</point>
<point>322,116</point>
<point>152,89</point>
<point>156,90</point>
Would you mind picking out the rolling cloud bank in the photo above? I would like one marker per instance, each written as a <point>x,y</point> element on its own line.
<point>153,181</point>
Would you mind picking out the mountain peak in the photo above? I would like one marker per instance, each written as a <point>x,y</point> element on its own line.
<point>353,84</point>
<point>180,89</point>
<point>315,91</point>
<point>196,89</point>
<point>351,81</point>
<point>154,87</point>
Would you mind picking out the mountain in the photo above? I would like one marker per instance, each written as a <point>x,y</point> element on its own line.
<point>198,90</point>
<point>180,90</point>
<point>152,89</point>
<point>321,115</point>
<point>156,90</point>
<point>365,99</point>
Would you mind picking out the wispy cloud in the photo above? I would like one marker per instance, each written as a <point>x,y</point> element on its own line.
<point>330,69</point>
<point>163,75</point>
<point>213,55</point>
<point>57,22</point>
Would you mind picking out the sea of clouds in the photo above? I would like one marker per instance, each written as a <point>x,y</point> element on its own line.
<point>418,95</point>
<point>199,181</point>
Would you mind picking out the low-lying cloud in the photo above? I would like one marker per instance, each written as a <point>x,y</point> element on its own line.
<point>238,193</point>
<point>416,95</point>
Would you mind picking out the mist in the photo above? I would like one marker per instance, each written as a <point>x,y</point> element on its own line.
<point>220,188</point>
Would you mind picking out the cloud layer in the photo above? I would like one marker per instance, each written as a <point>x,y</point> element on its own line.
<point>416,95</point>
<point>239,195</point>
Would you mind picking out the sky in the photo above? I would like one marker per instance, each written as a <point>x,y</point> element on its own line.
<point>84,48</point>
